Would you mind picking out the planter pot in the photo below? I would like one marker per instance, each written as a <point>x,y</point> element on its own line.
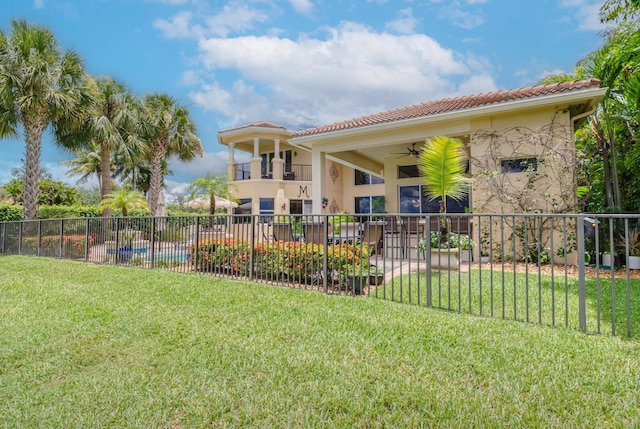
<point>607,260</point>
<point>466,256</point>
<point>357,284</point>
<point>444,259</point>
<point>485,259</point>
<point>376,280</point>
<point>634,263</point>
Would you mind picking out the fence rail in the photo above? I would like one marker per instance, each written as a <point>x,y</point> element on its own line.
<point>577,271</point>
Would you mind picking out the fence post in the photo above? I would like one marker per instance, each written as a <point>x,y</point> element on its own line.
<point>428,260</point>
<point>61,238</point>
<point>86,241</point>
<point>582,294</point>
<point>153,242</point>
<point>38,247</point>
<point>325,258</point>
<point>252,238</point>
<point>196,244</point>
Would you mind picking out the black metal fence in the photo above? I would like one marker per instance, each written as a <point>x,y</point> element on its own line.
<point>577,271</point>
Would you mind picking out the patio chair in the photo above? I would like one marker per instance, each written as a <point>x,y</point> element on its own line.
<point>393,237</point>
<point>314,232</point>
<point>412,232</point>
<point>372,234</point>
<point>282,231</point>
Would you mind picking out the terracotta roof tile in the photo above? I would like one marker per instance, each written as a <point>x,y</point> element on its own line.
<point>451,105</point>
<point>261,124</point>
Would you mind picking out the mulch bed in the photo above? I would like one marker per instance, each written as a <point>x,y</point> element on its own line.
<point>559,270</point>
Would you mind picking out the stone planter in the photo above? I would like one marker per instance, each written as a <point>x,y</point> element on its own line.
<point>376,280</point>
<point>607,260</point>
<point>444,259</point>
<point>634,263</point>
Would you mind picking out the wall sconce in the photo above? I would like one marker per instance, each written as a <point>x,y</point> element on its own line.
<point>284,206</point>
<point>295,153</point>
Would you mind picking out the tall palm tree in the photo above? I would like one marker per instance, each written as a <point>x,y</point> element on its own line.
<point>110,126</point>
<point>124,199</point>
<point>39,86</point>
<point>211,187</point>
<point>442,162</point>
<point>168,131</point>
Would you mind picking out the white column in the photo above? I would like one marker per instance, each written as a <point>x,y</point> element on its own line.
<point>318,186</point>
<point>256,147</point>
<point>276,142</point>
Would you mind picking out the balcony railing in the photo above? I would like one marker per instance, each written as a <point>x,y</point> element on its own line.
<point>299,172</point>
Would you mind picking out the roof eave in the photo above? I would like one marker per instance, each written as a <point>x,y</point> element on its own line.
<point>585,94</point>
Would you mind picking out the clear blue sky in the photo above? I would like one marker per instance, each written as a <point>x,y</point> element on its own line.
<point>304,63</point>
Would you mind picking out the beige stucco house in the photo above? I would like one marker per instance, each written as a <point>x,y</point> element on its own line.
<point>368,164</point>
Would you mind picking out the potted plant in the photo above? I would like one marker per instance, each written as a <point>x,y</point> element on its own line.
<point>442,163</point>
<point>633,241</point>
<point>376,275</point>
<point>464,243</point>
<point>356,278</point>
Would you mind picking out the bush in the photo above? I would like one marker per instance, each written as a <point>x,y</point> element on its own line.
<point>10,213</point>
<point>303,262</point>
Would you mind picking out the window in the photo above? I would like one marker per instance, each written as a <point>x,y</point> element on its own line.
<point>407,171</point>
<point>362,178</point>
<point>300,206</point>
<point>244,208</point>
<point>413,200</point>
<point>266,208</point>
<point>267,158</point>
<point>373,204</point>
<point>518,165</point>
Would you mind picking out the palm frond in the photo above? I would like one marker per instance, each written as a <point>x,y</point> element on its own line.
<point>442,162</point>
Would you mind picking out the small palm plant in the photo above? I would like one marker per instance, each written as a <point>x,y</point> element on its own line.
<point>124,199</point>
<point>442,163</point>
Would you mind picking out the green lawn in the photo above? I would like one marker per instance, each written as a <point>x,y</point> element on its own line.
<point>101,346</point>
<point>535,299</point>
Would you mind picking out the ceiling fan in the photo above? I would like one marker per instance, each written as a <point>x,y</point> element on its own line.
<point>410,151</point>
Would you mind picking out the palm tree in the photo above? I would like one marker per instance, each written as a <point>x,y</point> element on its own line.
<point>110,127</point>
<point>87,163</point>
<point>442,162</point>
<point>168,131</point>
<point>39,86</point>
<point>211,187</point>
<point>124,199</point>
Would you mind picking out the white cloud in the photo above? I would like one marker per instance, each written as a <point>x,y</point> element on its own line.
<point>302,6</point>
<point>311,81</point>
<point>586,12</point>
<point>404,23</point>
<point>237,17</point>
<point>38,4</point>
<point>177,27</point>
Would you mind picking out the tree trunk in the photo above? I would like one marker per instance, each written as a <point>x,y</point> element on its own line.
<point>105,181</point>
<point>155,184</point>
<point>34,126</point>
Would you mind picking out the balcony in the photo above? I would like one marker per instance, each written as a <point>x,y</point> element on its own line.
<point>298,172</point>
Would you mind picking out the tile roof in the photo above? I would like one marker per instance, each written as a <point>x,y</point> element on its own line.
<point>452,105</point>
<point>261,124</point>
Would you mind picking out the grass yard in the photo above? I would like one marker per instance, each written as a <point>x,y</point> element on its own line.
<point>102,346</point>
<point>534,298</point>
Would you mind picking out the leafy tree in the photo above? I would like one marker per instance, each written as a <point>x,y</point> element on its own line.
<point>39,86</point>
<point>124,199</point>
<point>619,10</point>
<point>51,192</point>
<point>168,131</point>
<point>612,127</point>
<point>211,187</point>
